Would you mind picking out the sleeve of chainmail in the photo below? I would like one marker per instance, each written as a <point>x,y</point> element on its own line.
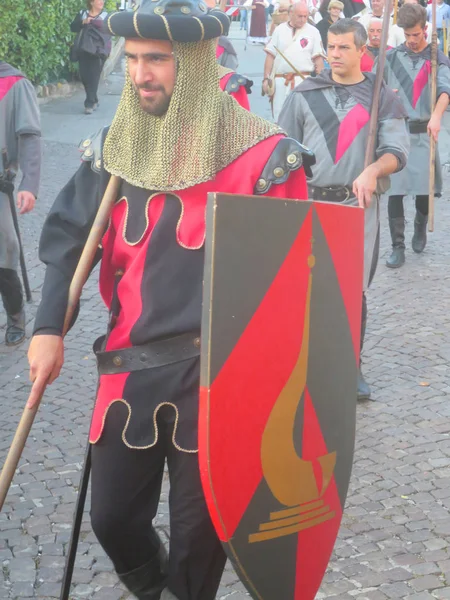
<point>63,237</point>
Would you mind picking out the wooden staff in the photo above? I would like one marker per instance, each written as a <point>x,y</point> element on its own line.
<point>432,165</point>
<point>394,20</point>
<point>445,32</point>
<point>79,279</point>
<point>373,123</point>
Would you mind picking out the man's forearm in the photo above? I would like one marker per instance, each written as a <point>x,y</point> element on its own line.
<point>441,106</point>
<point>268,65</point>
<point>384,166</point>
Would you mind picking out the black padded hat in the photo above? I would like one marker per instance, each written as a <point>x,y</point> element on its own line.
<point>173,20</point>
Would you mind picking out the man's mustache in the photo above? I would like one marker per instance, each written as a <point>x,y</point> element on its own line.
<point>149,87</point>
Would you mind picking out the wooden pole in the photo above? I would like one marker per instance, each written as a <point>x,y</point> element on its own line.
<point>432,165</point>
<point>445,33</point>
<point>373,123</point>
<point>394,20</point>
<point>79,279</point>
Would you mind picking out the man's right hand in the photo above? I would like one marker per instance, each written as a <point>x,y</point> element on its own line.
<point>46,358</point>
<point>266,86</point>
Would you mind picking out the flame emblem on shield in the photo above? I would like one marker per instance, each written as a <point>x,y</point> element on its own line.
<point>291,479</point>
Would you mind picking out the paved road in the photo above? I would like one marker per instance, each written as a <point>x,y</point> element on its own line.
<point>396,531</point>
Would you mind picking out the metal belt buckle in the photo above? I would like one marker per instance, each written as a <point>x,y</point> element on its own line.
<point>348,194</point>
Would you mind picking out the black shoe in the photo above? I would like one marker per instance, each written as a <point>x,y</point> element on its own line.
<point>397,229</point>
<point>15,329</point>
<point>396,259</point>
<point>419,240</point>
<point>148,581</point>
<point>363,387</point>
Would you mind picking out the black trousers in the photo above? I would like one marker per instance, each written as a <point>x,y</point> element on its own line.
<point>395,206</point>
<point>90,68</point>
<point>11,291</point>
<point>126,488</point>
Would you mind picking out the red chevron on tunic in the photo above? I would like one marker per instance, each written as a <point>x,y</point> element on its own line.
<point>6,83</point>
<point>420,82</point>
<point>349,128</point>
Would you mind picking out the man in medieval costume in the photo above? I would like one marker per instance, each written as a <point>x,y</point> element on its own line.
<point>294,52</point>
<point>231,82</point>
<point>408,70</point>
<point>226,54</point>
<point>372,50</point>
<point>331,113</point>
<point>20,144</point>
<point>175,137</point>
<point>237,85</point>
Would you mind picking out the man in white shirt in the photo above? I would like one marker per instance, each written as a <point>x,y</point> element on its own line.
<point>294,52</point>
<point>376,11</point>
<point>442,20</point>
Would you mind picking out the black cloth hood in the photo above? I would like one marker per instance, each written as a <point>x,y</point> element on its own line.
<point>425,54</point>
<point>7,70</point>
<point>390,107</point>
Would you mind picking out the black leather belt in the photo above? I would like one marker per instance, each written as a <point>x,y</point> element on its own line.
<point>335,193</point>
<point>151,355</point>
<point>418,126</point>
<point>7,187</point>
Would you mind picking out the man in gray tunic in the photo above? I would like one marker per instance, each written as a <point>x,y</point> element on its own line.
<point>20,146</point>
<point>408,70</point>
<point>330,114</point>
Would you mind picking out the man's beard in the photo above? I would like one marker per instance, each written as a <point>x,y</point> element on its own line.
<point>156,106</point>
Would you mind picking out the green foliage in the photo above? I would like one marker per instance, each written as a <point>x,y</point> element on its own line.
<point>35,36</point>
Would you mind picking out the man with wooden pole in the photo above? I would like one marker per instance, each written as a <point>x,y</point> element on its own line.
<point>151,277</point>
<point>413,69</point>
<point>20,146</point>
<point>345,117</point>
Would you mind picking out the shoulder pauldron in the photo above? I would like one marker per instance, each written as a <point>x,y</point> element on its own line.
<point>92,147</point>
<point>237,81</point>
<point>288,155</point>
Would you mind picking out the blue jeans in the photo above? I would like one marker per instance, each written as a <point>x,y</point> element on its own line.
<point>244,19</point>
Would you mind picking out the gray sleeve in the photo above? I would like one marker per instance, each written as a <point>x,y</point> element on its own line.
<point>443,80</point>
<point>393,138</point>
<point>30,162</point>
<point>27,127</point>
<point>292,117</point>
<point>229,61</point>
<point>26,111</point>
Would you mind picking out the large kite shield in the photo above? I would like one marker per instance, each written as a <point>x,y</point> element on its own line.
<point>280,353</point>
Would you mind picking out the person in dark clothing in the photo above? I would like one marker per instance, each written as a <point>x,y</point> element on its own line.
<point>152,266</point>
<point>91,64</point>
<point>20,140</point>
<point>333,14</point>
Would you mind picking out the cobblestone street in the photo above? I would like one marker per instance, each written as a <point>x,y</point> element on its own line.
<point>395,538</point>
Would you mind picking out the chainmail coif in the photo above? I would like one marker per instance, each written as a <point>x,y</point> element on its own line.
<point>203,130</point>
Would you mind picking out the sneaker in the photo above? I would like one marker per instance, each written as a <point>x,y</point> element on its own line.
<point>88,111</point>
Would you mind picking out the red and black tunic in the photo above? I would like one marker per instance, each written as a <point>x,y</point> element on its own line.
<point>152,272</point>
